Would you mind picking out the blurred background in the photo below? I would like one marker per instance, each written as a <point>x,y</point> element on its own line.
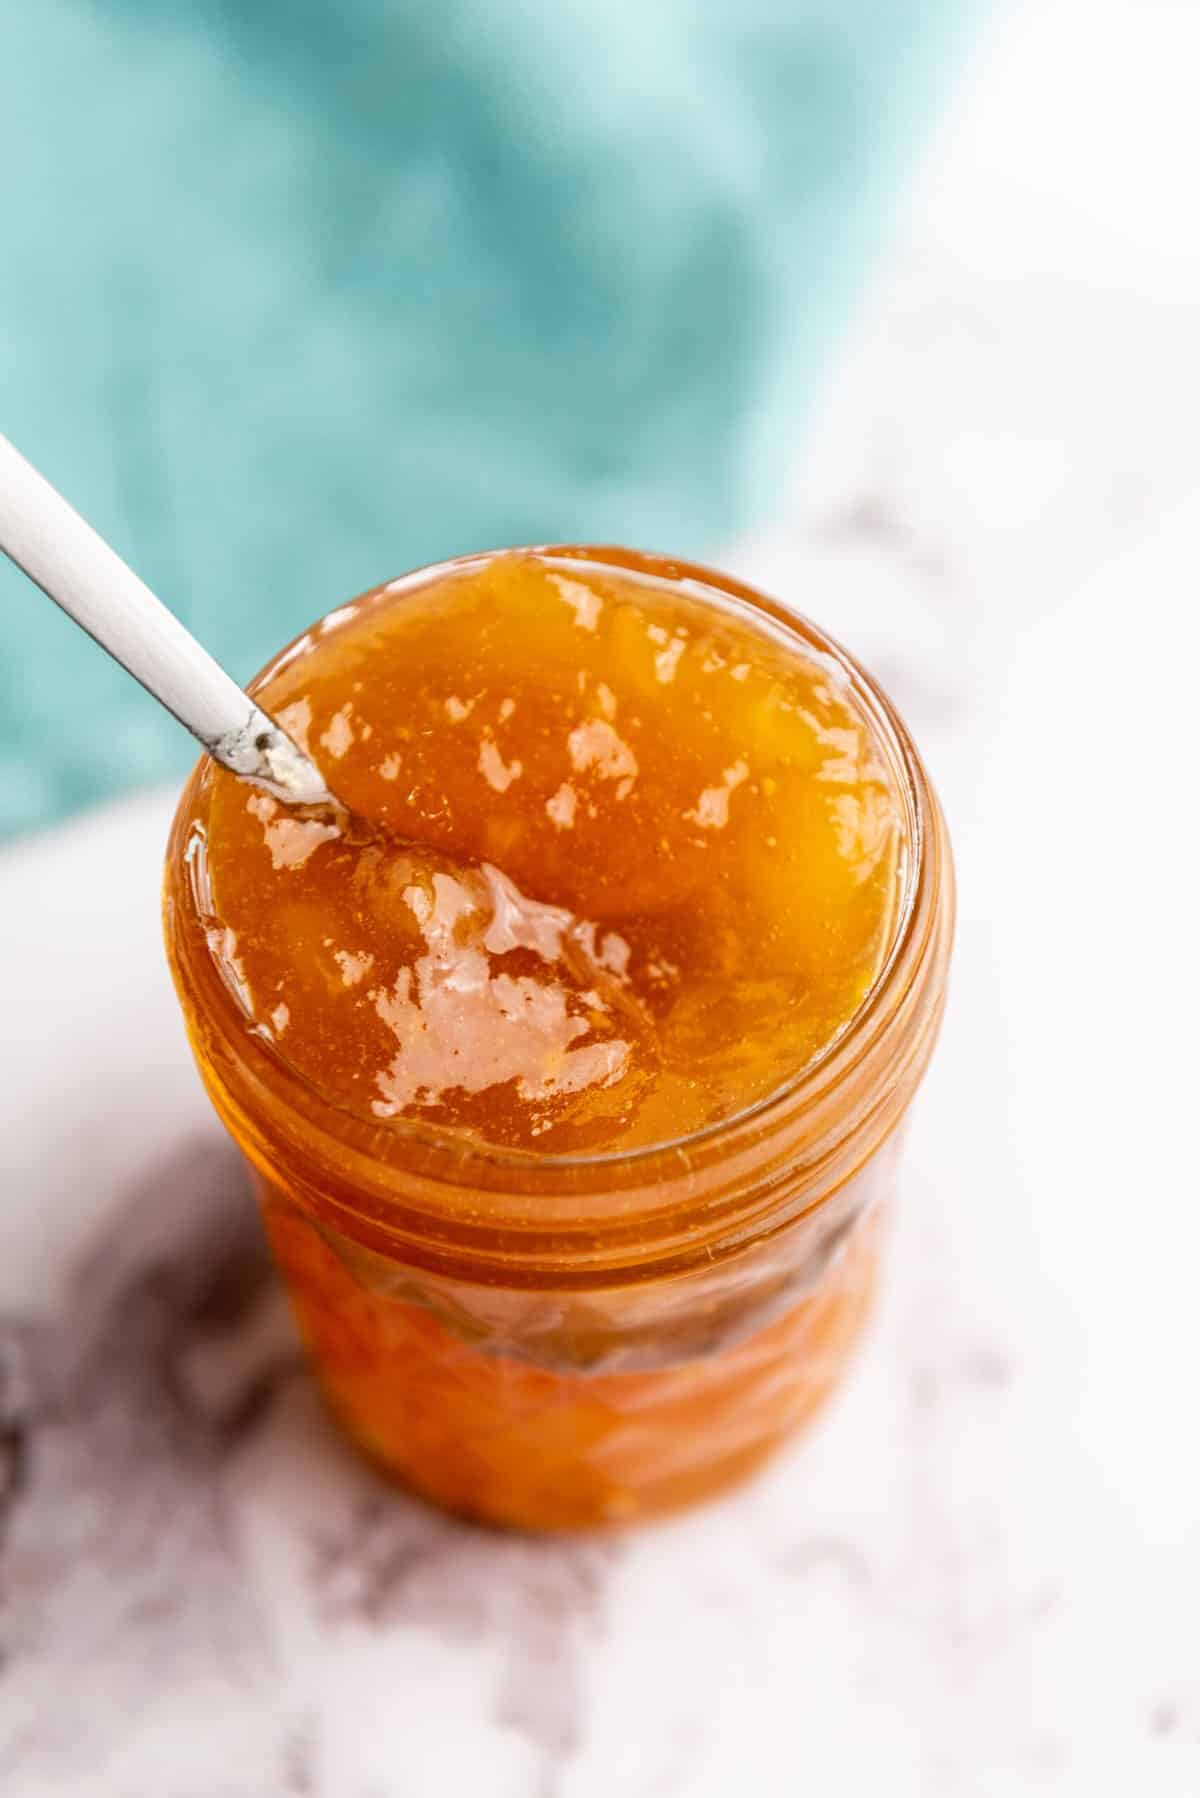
<point>895,309</point>
<point>299,295</point>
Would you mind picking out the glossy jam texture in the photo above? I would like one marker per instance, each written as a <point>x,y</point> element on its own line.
<point>635,862</point>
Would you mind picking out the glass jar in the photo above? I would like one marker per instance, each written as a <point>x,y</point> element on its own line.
<point>556,1342</point>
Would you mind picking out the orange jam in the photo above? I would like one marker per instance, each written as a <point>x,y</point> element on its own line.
<point>547,1063</point>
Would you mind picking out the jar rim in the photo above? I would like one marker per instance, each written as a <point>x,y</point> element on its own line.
<point>486,1166</point>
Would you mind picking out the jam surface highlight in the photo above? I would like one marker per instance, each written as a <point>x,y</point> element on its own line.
<point>634,863</point>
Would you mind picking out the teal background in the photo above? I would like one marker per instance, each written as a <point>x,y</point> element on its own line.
<point>296,296</point>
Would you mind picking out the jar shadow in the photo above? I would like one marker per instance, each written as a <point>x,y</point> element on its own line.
<point>162,1423</point>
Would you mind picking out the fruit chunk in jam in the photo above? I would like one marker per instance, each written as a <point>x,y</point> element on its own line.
<point>634,863</point>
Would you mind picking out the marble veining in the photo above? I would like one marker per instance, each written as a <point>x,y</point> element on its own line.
<point>979,1576</point>
<point>131,1417</point>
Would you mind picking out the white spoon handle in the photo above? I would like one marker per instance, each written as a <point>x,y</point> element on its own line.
<point>75,568</point>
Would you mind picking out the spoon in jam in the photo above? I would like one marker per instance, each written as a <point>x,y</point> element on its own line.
<point>75,568</point>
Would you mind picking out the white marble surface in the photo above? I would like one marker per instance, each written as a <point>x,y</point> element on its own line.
<point>981,1573</point>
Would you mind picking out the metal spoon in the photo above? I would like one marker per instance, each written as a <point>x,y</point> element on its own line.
<point>75,568</point>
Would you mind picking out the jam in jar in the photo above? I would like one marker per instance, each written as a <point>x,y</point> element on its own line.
<point>570,1077</point>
